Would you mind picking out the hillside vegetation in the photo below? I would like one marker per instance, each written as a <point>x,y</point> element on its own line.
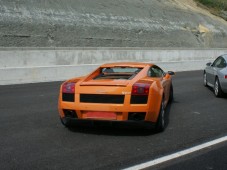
<point>217,7</point>
<point>218,4</point>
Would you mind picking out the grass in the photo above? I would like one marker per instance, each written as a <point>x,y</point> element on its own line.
<point>215,4</point>
<point>216,7</point>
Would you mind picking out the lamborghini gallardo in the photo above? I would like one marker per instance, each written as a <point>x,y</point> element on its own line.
<point>125,93</point>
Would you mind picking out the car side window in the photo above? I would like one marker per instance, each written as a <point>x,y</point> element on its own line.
<point>219,62</point>
<point>223,63</point>
<point>155,71</point>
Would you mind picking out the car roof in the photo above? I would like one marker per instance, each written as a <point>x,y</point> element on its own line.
<point>127,64</point>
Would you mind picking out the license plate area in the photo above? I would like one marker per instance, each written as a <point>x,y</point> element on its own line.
<point>100,115</point>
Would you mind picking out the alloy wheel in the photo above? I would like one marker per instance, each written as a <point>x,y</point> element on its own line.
<point>216,88</point>
<point>205,79</point>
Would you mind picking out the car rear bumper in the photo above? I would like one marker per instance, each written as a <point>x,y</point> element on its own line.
<point>111,123</point>
<point>224,86</point>
<point>223,83</point>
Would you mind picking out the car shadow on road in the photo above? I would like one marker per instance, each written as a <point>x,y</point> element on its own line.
<point>105,128</point>
<point>224,96</point>
<point>111,131</point>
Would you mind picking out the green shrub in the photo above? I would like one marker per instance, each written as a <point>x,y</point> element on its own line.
<point>217,4</point>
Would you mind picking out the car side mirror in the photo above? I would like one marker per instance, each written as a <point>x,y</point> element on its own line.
<point>171,73</point>
<point>209,64</point>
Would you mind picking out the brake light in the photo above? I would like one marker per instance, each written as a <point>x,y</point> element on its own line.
<point>140,89</point>
<point>225,76</point>
<point>68,88</point>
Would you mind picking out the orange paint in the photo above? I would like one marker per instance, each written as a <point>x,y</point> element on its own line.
<point>110,96</point>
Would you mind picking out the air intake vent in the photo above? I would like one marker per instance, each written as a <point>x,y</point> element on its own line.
<point>68,97</point>
<point>70,113</point>
<point>102,98</point>
<point>136,116</point>
<point>139,99</point>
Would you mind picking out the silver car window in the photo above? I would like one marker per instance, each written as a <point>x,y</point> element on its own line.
<point>217,62</point>
<point>220,63</point>
<point>225,63</point>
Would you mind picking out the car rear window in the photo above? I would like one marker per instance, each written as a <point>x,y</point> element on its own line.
<point>118,73</point>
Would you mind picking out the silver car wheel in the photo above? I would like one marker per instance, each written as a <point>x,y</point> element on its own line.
<point>216,88</point>
<point>205,79</point>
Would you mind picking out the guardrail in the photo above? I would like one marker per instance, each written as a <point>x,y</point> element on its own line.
<point>30,65</point>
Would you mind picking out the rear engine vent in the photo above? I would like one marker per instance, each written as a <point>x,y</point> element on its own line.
<point>68,97</point>
<point>102,98</point>
<point>136,116</point>
<point>139,99</point>
<point>70,113</point>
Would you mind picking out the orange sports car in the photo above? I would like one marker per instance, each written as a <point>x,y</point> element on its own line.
<point>136,93</point>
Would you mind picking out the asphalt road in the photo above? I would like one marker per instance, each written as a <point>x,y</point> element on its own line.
<point>32,136</point>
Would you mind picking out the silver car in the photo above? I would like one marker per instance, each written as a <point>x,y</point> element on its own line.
<point>215,75</point>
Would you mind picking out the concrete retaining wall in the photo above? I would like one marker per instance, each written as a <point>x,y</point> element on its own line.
<point>26,65</point>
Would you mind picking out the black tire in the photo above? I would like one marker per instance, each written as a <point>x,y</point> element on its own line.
<point>161,123</point>
<point>65,122</point>
<point>171,98</point>
<point>205,79</point>
<point>217,88</point>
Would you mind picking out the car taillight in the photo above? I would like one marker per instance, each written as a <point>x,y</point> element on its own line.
<point>68,88</point>
<point>225,76</point>
<point>140,89</point>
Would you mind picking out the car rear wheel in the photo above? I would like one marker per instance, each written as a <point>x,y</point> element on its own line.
<point>160,125</point>
<point>204,79</point>
<point>171,94</point>
<point>65,122</point>
<point>217,88</point>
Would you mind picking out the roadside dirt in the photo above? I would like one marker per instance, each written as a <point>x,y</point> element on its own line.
<point>107,23</point>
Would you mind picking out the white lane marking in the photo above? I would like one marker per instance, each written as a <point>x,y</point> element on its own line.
<point>177,154</point>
